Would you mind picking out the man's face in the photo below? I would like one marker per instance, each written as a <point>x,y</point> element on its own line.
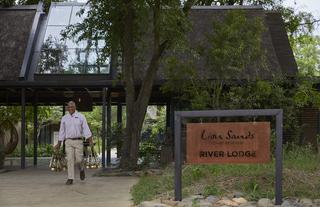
<point>71,108</point>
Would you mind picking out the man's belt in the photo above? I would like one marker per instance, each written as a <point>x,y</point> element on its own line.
<point>76,138</point>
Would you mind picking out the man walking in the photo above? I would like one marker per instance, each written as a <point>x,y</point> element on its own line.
<point>73,128</point>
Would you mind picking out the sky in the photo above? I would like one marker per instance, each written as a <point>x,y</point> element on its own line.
<point>312,6</point>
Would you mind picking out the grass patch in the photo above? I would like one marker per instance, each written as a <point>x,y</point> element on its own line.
<point>301,172</point>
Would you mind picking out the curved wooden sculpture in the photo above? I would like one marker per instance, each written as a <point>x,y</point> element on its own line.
<point>9,141</point>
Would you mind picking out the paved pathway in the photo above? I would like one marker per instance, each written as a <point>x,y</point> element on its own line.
<point>43,188</point>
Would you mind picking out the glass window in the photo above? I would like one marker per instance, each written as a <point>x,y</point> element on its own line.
<point>51,61</point>
<point>53,36</point>
<point>60,56</point>
<point>101,44</point>
<point>59,15</point>
<point>72,43</point>
<point>105,69</point>
<point>75,18</point>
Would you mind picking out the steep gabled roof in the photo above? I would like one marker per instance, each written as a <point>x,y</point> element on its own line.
<point>280,58</point>
<point>281,43</point>
<point>15,28</point>
<point>17,24</point>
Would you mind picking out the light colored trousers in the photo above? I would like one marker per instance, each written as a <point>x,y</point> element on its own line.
<point>74,150</point>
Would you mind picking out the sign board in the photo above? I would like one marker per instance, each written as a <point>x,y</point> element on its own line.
<point>229,142</point>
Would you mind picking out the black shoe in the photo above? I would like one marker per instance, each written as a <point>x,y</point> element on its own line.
<point>69,182</point>
<point>82,175</point>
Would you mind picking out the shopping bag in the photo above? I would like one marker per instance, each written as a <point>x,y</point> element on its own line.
<point>58,161</point>
<point>92,159</point>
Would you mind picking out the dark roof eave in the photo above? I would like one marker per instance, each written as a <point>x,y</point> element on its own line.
<point>20,7</point>
<point>57,84</point>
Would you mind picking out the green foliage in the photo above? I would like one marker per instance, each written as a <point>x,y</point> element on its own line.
<point>153,130</point>
<point>300,178</point>
<point>13,113</point>
<point>149,152</point>
<point>166,21</point>
<point>94,119</point>
<point>307,54</point>
<point>306,94</point>
<point>7,3</point>
<point>171,23</point>
<point>196,173</point>
<point>54,55</point>
<point>234,45</point>
<point>211,190</point>
<point>298,23</point>
<point>43,151</point>
<point>147,188</point>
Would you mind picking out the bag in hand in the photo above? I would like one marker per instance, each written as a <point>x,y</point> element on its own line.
<point>58,161</point>
<point>92,160</point>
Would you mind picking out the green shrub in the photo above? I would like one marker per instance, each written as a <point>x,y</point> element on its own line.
<point>149,152</point>
<point>44,150</point>
<point>146,189</point>
<point>300,178</point>
<point>211,190</point>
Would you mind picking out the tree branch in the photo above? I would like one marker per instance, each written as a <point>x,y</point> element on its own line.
<point>158,50</point>
<point>188,5</point>
<point>310,23</point>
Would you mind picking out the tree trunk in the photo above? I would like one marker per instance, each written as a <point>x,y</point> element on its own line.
<point>136,106</point>
<point>128,68</point>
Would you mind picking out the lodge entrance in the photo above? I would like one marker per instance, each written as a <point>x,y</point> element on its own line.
<point>85,94</point>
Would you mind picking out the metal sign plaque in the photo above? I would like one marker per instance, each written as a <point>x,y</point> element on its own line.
<point>229,142</point>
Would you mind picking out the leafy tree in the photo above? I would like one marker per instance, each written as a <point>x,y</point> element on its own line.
<point>7,3</point>
<point>52,57</point>
<point>307,54</point>
<point>232,48</point>
<point>123,29</point>
<point>132,29</point>
<point>234,45</point>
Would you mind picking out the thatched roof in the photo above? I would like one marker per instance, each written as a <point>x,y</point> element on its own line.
<point>281,43</point>
<point>15,24</point>
<point>280,58</point>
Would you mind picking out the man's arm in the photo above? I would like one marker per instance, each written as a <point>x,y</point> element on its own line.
<point>86,131</point>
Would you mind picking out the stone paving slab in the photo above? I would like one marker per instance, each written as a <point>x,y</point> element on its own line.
<point>43,188</point>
